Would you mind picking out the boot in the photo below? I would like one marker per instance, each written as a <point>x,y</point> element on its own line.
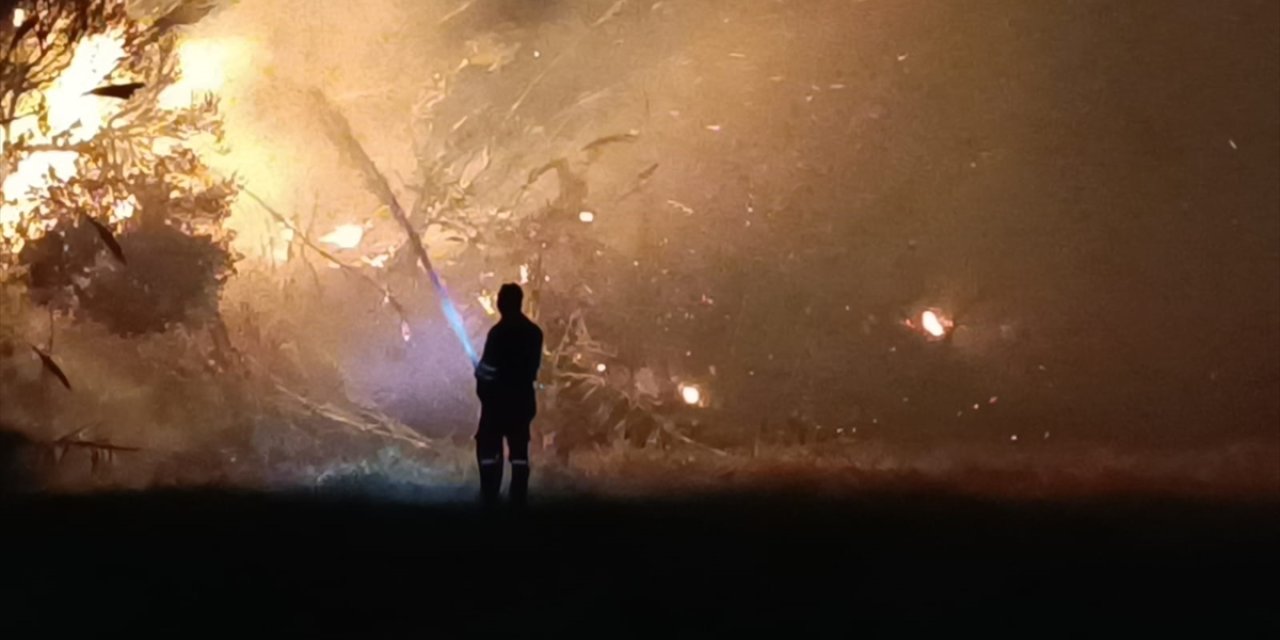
<point>518,492</point>
<point>490,480</point>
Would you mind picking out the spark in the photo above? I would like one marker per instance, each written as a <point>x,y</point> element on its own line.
<point>347,236</point>
<point>933,324</point>
<point>19,16</point>
<point>586,216</point>
<point>601,368</point>
<point>691,394</point>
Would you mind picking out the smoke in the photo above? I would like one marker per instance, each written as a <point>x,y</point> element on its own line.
<point>822,174</point>
<point>760,197</point>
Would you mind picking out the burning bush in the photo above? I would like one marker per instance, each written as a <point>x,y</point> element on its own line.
<point>106,208</point>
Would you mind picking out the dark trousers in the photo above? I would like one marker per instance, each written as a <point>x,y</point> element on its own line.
<point>496,426</point>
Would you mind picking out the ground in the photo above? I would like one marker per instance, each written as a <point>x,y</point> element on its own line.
<point>878,562</point>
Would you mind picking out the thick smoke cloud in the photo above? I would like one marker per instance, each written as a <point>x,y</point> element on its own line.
<point>1096,206</point>
<point>775,191</point>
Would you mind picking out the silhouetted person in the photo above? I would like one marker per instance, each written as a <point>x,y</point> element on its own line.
<point>504,382</point>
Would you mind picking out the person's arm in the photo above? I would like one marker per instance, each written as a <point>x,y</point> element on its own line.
<point>486,371</point>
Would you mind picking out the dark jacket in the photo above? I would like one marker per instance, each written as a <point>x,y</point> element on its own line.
<point>509,366</point>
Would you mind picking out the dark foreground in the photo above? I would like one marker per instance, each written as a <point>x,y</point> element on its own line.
<point>190,564</point>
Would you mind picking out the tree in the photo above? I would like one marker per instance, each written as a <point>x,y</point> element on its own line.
<point>107,208</point>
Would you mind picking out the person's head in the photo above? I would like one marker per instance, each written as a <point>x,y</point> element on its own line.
<point>510,298</point>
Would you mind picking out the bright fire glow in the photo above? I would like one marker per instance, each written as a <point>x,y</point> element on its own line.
<point>203,62</point>
<point>347,236</point>
<point>932,324</point>
<point>70,109</point>
<point>691,394</point>
<point>71,114</point>
<point>19,16</point>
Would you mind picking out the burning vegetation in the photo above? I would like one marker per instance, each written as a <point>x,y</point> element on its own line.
<point>258,243</point>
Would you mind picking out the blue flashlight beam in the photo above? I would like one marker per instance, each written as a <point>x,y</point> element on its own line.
<point>339,130</point>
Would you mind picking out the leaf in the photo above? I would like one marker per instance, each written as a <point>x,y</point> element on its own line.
<point>120,91</point>
<point>630,136</point>
<point>108,239</point>
<point>186,13</point>
<point>52,367</point>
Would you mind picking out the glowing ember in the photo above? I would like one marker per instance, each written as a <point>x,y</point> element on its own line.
<point>601,368</point>
<point>586,216</point>
<point>123,210</point>
<point>487,302</point>
<point>19,16</point>
<point>691,394</point>
<point>377,261</point>
<point>932,324</point>
<point>347,236</point>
